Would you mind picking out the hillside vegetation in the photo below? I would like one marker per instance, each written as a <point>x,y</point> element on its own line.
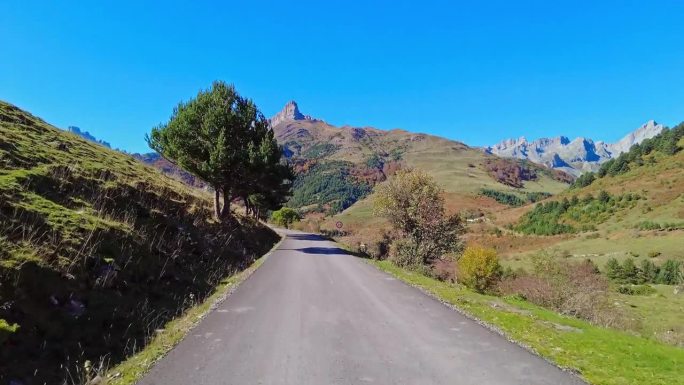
<point>367,156</point>
<point>641,189</point>
<point>628,220</point>
<point>97,251</point>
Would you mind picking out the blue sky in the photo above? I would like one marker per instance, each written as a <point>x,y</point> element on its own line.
<point>477,73</point>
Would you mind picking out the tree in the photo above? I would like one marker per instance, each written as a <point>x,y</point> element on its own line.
<point>648,271</point>
<point>223,139</point>
<point>583,180</point>
<point>412,201</point>
<point>603,196</point>
<point>206,138</point>
<point>630,272</point>
<point>479,268</point>
<point>670,273</point>
<point>285,217</point>
<point>267,180</point>
<point>613,269</point>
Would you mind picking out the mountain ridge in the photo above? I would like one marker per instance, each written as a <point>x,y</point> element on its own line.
<point>87,136</point>
<point>351,159</point>
<point>573,156</point>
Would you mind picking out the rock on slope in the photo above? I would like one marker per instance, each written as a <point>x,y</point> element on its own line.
<point>576,156</point>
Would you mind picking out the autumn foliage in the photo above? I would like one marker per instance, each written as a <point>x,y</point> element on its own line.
<point>478,268</point>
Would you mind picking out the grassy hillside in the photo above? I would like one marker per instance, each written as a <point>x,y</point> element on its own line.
<point>97,251</point>
<point>602,356</point>
<point>635,212</point>
<point>371,155</point>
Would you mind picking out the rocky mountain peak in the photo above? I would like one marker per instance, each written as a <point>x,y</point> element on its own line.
<point>289,113</point>
<point>646,131</point>
<point>86,135</point>
<point>573,156</point>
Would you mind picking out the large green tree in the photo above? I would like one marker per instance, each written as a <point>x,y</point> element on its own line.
<point>267,178</point>
<point>226,141</point>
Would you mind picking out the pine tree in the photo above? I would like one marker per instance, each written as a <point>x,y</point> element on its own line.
<point>225,140</point>
<point>613,269</point>
<point>669,273</point>
<point>648,272</point>
<point>630,272</point>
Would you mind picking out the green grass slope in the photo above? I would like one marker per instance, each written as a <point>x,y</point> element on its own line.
<point>642,218</point>
<point>97,251</point>
<point>601,356</point>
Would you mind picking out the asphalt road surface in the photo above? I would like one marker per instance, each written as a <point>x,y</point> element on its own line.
<point>313,315</point>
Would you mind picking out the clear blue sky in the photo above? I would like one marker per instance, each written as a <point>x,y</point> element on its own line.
<point>475,73</point>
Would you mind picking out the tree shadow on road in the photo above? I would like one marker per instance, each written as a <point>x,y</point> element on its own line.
<point>323,250</point>
<point>307,237</point>
<point>329,251</point>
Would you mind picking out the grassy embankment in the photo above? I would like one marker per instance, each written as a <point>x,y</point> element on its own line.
<point>601,356</point>
<point>98,251</point>
<point>133,368</point>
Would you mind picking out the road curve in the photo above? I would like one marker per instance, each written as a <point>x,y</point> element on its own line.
<point>312,314</point>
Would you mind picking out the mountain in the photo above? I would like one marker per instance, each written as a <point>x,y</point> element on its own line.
<point>151,158</point>
<point>289,112</point>
<point>157,161</point>
<point>97,250</point>
<point>338,166</point>
<point>572,156</point>
<point>86,135</point>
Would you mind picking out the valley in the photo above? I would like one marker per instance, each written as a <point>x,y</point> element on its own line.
<point>109,238</point>
<point>292,193</point>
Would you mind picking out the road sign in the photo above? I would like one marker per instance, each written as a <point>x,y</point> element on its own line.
<point>338,225</point>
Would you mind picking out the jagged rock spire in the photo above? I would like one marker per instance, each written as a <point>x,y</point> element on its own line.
<point>288,113</point>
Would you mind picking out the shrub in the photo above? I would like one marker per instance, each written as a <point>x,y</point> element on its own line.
<point>373,245</point>
<point>285,217</point>
<point>670,273</point>
<point>613,270</point>
<point>508,273</point>
<point>403,253</point>
<point>583,180</point>
<point>630,273</point>
<point>648,271</point>
<point>413,203</point>
<point>503,197</point>
<point>572,215</point>
<point>636,290</point>
<point>648,225</point>
<point>653,254</point>
<point>479,268</point>
<point>569,288</point>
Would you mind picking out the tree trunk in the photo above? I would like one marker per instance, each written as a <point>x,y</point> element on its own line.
<point>217,204</point>
<point>225,212</point>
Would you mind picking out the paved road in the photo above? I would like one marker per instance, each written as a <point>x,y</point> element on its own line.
<point>313,315</point>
